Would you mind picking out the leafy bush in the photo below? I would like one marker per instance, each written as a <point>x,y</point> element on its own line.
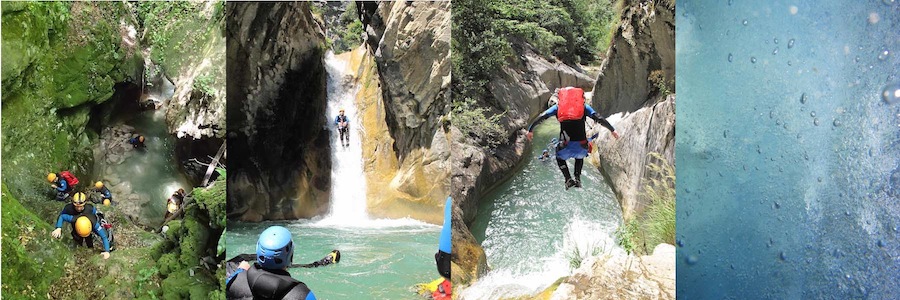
<point>474,121</point>
<point>657,224</point>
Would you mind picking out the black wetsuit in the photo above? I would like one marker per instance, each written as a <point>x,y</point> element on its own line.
<point>258,283</point>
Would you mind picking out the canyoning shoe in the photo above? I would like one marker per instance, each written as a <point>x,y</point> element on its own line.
<point>578,183</point>
<point>570,183</point>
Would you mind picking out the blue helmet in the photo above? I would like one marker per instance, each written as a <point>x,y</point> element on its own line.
<point>275,248</point>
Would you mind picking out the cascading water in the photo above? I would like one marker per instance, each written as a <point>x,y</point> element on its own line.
<point>348,189</point>
<point>531,228</point>
<point>381,258</point>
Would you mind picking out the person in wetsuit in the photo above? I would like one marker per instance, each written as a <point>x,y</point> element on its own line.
<point>444,290</point>
<point>571,111</point>
<point>343,124</point>
<point>268,278</point>
<point>85,221</point>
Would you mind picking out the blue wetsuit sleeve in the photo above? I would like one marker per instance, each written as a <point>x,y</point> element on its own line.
<point>63,218</point>
<point>63,185</point>
<point>445,243</point>
<point>310,296</point>
<point>337,120</point>
<point>544,115</point>
<point>233,275</point>
<point>589,111</point>
<point>102,233</point>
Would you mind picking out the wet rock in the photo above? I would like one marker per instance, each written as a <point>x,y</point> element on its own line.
<point>276,88</point>
<point>631,277</point>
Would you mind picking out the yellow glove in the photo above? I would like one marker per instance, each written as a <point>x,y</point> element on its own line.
<point>56,233</point>
<point>105,255</point>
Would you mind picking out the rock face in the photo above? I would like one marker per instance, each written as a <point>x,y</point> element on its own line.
<point>276,77</point>
<point>623,162</point>
<point>404,73</point>
<point>644,43</point>
<point>618,275</point>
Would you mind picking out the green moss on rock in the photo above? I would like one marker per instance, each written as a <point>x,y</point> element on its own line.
<point>31,259</point>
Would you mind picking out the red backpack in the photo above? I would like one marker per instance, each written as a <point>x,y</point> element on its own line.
<point>70,179</point>
<point>571,104</point>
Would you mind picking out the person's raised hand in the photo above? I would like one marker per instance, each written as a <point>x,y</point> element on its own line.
<point>56,233</point>
<point>615,135</point>
<point>529,135</point>
<point>244,265</point>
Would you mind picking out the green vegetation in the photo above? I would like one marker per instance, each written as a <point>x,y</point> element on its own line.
<point>488,35</point>
<point>658,79</point>
<point>577,255</point>
<point>61,60</point>
<point>177,30</point>
<point>31,259</point>
<point>657,225</point>
<point>349,34</point>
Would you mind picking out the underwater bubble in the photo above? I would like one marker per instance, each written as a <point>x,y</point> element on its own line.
<point>790,43</point>
<point>730,57</point>
<point>744,22</point>
<point>753,59</point>
<point>782,256</point>
<point>803,98</point>
<point>816,121</point>
<point>883,54</point>
<point>775,52</point>
<point>891,93</point>
<point>680,243</point>
<point>692,260</point>
<point>880,244</point>
<point>812,114</point>
<point>730,2</point>
<point>775,40</point>
<point>819,179</point>
<point>889,2</point>
<point>856,59</point>
<point>777,205</point>
<point>790,64</point>
<point>836,123</point>
<point>771,114</point>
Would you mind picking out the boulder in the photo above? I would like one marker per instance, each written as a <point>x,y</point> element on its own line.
<point>617,275</point>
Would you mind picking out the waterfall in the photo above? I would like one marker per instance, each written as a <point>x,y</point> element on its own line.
<point>348,189</point>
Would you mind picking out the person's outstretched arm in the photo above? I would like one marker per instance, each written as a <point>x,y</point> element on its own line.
<point>603,122</point>
<point>544,115</point>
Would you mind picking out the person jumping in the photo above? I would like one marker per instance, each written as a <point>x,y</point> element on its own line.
<point>571,111</point>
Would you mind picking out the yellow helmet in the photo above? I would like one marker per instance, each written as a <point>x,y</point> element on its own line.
<point>51,177</point>
<point>106,202</point>
<point>83,226</point>
<point>99,184</point>
<point>79,199</point>
<point>341,110</point>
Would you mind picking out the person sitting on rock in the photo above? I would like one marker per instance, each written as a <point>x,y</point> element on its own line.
<point>343,124</point>
<point>105,195</point>
<point>571,111</point>
<point>137,142</point>
<point>268,278</point>
<point>63,183</point>
<point>85,222</point>
<point>174,203</point>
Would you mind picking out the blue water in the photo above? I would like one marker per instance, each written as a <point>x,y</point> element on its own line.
<point>383,259</point>
<point>779,195</point>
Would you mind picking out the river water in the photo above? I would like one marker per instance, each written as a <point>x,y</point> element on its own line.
<point>530,226</point>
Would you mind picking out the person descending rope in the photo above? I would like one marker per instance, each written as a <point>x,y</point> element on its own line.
<point>85,220</point>
<point>104,195</point>
<point>64,183</point>
<point>268,278</point>
<point>571,111</point>
<point>343,124</point>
